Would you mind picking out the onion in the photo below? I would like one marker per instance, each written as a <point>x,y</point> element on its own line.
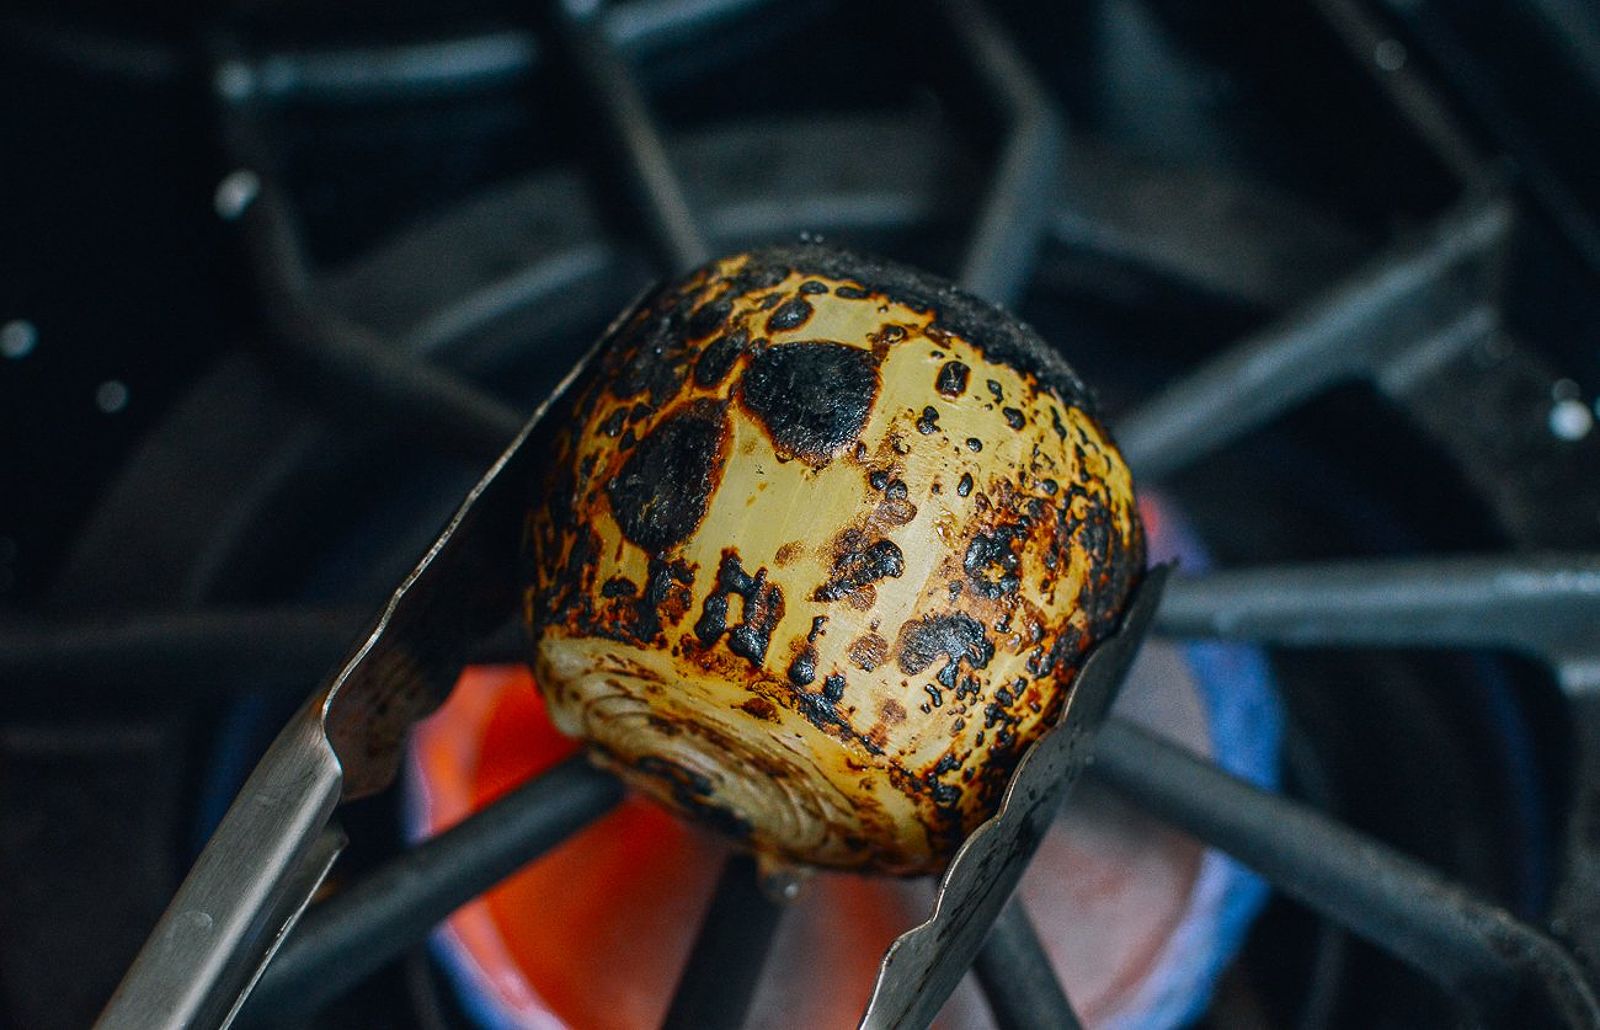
<point>820,552</point>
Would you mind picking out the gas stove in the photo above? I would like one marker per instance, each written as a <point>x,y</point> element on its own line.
<point>279,281</point>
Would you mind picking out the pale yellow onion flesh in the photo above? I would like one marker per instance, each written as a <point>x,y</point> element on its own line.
<point>892,774</point>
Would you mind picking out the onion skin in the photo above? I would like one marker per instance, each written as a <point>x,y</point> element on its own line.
<point>820,552</point>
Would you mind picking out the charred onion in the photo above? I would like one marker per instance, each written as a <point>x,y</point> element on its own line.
<point>820,552</point>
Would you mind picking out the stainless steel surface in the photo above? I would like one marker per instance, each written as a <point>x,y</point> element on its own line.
<point>270,852</point>
<point>248,887</point>
<point>924,964</point>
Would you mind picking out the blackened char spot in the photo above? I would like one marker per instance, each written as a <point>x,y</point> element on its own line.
<point>812,397</point>
<point>648,357</point>
<point>665,486</point>
<point>718,357</point>
<point>851,292</point>
<point>713,621</point>
<point>991,563</point>
<point>803,670</point>
<point>855,569</point>
<point>952,380</point>
<point>1014,418</point>
<point>791,314</point>
<point>757,275</point>
<point>665,589</point>
<point>964,487</point>
<point>1001,338</point>
<point>958,637</point>
<point>812,287</point>
<point>763,608</point>
<point>929,422</point>
<point>996,391</point>
<point>709,318</point>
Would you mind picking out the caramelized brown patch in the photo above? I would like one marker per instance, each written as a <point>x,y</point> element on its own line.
<point>868,652</point>
<point>761,708</point>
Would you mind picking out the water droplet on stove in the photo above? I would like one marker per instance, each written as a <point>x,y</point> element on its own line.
<point>111,396</point>
<point>1571,420</point>
<point>781,881</point>
<point>1389,55</point>
<point>235,81</point>
<point>18,337</point>
<point>235,193</point>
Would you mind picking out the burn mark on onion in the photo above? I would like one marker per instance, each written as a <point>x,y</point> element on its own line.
<point>649,359</point>
<point>763,608</point>
<point>999,337</point>
<point>991,563</point>
<point>1014,418</point>
<point>957,637</point>
<point>855,569</point>
<point>761,708</point>
<point>665,487</point>
<point>952,379</point>
<point>813,398</point>
<point>803,670</point>
<point>717,359</point>
<point>693,792</point>
<point>709,318</point>
<point>868,652</point>
<point>791,314</point>
<point>929,420</point>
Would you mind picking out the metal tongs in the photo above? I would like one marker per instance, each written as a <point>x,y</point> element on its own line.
<point>274,846</point>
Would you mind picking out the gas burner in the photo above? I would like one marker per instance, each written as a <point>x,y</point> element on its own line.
<point>286,279</point>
